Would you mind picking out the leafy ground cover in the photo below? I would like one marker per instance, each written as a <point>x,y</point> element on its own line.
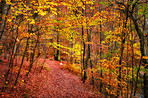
<point>52,81</point>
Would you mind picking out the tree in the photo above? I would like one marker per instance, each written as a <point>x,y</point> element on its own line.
<point>96,37</point>
<point>129,10</point>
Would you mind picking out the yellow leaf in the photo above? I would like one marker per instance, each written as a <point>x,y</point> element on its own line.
<point>35,11</point>
<point>54,12</point>
<point>43,13</point>
<point>32,21</point>
<point>9,20</point>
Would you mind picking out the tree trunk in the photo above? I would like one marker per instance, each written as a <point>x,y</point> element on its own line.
<point>33,54</point>
<point>84,76</point>
<point>143,47</point>
<point>21,65</point>
<point>12,57</point>
<point>121,55</point>
<point>57,52</point>
<point>101,52</point>
<point>4,12</point>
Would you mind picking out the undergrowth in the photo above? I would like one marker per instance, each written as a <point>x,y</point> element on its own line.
<point>74,68</point>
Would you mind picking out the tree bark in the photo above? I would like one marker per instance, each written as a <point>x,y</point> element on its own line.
<point>21,65</point>
<point>143,47</point>
<point>4,12</point>
<point>84,76</point>
<point>121,54</point>
<point>33,54</point>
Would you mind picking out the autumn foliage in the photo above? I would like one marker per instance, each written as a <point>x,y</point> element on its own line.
<point>102,41</point>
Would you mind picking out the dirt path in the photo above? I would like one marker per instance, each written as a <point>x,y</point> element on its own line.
<point>63,84</point>
<point>56,83</point>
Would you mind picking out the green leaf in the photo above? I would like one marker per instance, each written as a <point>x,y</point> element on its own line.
<point>104,3</point>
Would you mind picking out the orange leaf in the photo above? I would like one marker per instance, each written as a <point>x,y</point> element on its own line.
<point>145,57</point>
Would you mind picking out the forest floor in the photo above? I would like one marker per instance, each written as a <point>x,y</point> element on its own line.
<point>53,81</point>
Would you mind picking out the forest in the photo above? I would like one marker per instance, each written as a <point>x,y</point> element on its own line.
<point>102,43</point>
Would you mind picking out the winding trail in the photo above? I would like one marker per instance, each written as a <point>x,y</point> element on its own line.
<point>56,83</point>
<point>63,84</point>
